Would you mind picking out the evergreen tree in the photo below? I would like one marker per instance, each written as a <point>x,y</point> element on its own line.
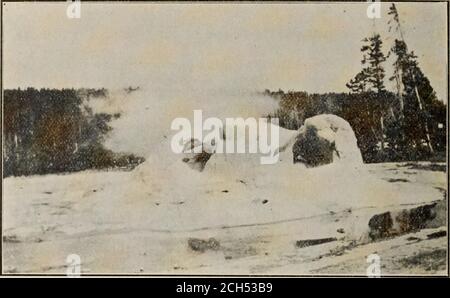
<point>371,77</point>
<point>414,92</point>
<point>371,80</point>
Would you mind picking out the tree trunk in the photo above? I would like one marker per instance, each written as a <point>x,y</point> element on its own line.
<point>382,132</point>
<point>427,133</point>
<point>399,94</point>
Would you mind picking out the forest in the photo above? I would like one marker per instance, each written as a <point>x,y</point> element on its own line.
<point>407,124</point>
<point>52,131</point>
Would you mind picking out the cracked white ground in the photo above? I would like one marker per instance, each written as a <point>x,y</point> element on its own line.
<point>128,222</point>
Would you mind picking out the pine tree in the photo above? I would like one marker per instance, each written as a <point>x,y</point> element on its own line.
<point>413,89</point>
<point>371,79</point>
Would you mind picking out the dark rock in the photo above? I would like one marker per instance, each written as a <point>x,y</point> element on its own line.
<point>201,245</point>
<point>392,180</point>
<point>196,161</point>
<point>407,220</point>
<point>413,239</point>
<point>380,225</point>
<point>437,235</point>
<point>415,219</point>
<point>10,239</point>
<point>311,242</point>
<point>312,150</point>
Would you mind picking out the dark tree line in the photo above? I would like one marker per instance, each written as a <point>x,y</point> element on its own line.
<point>52,131</point>
<point>357,109</point>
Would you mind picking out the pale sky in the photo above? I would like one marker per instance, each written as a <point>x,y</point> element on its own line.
<point>293,46</point>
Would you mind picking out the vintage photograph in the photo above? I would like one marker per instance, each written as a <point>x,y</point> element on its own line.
<point>224,138</point>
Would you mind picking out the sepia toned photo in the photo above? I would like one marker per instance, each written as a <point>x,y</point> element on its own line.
<point>224,139</point>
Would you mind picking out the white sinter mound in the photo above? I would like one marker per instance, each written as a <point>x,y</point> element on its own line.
<point>145,218</point>
<point>236,189</point>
